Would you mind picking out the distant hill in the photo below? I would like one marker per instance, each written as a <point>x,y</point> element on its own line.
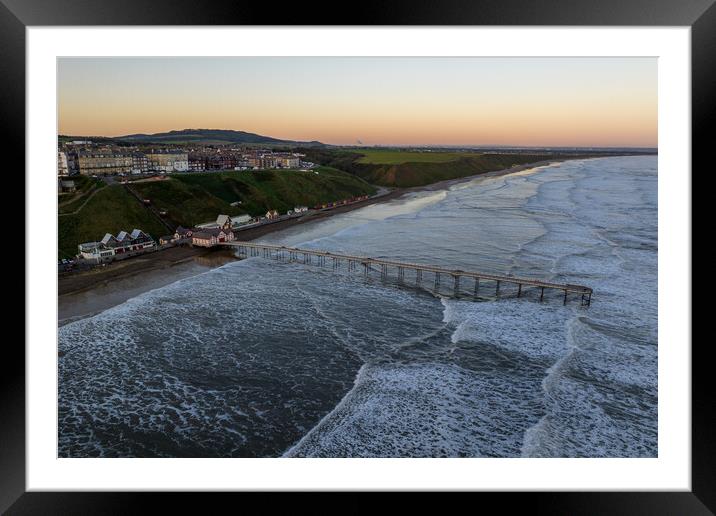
<point>209,136</point>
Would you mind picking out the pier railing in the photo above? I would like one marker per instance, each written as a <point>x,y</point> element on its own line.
<point>480,283</point>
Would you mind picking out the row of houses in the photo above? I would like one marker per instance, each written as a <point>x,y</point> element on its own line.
<point>117,160</point>
<point>100,162</point>
<point>220,231</point>
<point>342,202</point>
<point>206,235</point>
<point>110,246</point>
<point>236,160</point>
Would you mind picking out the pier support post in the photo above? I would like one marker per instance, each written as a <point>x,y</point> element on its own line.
<point>497,289</point>
<point>365,269</point>
<point>401,274</point>
<point>519,289</point>
<point>541,295</point>
<point>418,276</point>
<point>477,285</point>
<point>437,281</point>
<point>456,285</point>
<point>565,297</point>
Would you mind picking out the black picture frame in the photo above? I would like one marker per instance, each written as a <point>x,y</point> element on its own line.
<point>700,15</point>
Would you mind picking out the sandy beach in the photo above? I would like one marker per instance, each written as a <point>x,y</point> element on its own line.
<point>84,294</point>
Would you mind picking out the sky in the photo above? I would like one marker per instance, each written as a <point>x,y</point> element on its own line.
<point>605,102</point>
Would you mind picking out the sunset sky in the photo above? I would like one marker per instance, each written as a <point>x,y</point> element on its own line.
<point>377,100</point>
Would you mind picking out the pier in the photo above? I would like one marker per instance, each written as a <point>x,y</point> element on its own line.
<point>449,282</point>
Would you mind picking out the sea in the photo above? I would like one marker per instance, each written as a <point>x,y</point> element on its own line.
<point>265,358</point>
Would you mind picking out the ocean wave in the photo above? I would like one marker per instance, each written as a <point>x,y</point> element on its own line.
<point>259,357</point>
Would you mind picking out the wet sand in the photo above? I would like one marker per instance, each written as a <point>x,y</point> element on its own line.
<point>85,294</point>
<point>88,293</point>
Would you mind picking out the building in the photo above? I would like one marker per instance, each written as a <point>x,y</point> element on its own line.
<point>111,246</point>
<point>224,222</point>
<point>168,161</point>
<point>101,164</point>
<point>239,220</point>
<point>182,233</point>
<point>269,160</point>
<point>300,209</point>
<point>95,251</point>
<point>63,167</point>
<point>67,186</point>
<point>140,163</point>
<point>272,214</point>
<point>211,237</point>
<point>66,163</point>
<point>197,162</point>
<point>285,160</point>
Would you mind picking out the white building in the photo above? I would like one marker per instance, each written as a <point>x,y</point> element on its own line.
<point>110,245</point>
<point>63,167</point>
<point>168,161</point>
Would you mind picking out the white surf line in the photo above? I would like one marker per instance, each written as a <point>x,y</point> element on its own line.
<point>292,450</point>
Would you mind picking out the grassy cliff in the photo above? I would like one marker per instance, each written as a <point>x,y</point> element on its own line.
<point>191,199</point>
<point>411,168</point>
<point>110,210</point>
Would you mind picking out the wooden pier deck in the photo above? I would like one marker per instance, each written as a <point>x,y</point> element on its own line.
<point>479,282</point>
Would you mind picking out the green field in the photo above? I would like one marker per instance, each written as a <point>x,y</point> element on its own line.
<point>398,157</point>
<point>192,199</point>
<point>111,210</point>
<point>69,202</point>
<point>434,167</point>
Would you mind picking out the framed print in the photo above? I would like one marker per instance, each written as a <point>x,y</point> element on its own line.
<point>447,251</point>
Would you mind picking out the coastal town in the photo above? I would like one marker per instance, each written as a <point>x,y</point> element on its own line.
<point>90,158</point>
<point>170,194</point>
<point>86,167</point>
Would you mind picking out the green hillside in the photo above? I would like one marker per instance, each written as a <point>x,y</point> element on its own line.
<point>191,199</point>
<point>109,211</point>
<point>390,168</point>
<point>398,156</point>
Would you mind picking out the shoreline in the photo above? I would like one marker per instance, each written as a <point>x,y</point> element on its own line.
<point>86,294</point>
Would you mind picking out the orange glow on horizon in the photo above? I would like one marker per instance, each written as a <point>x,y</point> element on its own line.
<point>563,106</point>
